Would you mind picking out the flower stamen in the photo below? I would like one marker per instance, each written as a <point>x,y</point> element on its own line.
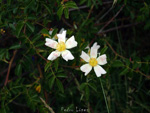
<point>61,46</point>
<point>93,62</point>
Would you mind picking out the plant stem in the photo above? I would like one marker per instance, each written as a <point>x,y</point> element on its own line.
<point>104,95</point>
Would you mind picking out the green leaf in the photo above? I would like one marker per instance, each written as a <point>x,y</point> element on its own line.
<point>100,2</point>
<point>66,12</point>
<point>117,63</point>
<point>16,46</point>
<point>36,37</point>
<point>124,71</point>
<point>54,32</point>
<point>56,64</point>
<point>47,66</point>
<point>2,53</point>
<point>62,75</point>
<point>8,2</point>
<point>83,85</point>
<point>71,4</point>
<point>30,26</point>
<point>87,93</point>
<point>19,28</point>
<point>60,85</point>
<point>60,11</point>
<point>104,50</point>
<point>15,10</point>
<point>127,61</point>
<point>84,45</point>
<point>18,70</point>
<point>82,1</point>
<point>51,82</point>
<point>12,26</point>
<point>93,86</point>
<point>30,5</point>
<point>44,31</point>
<point>7,55</point>
<point>47,7</point>
<point>39,43</point>
<point>136,65</point>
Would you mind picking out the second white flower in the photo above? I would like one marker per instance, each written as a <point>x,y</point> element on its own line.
<point>93,61</point>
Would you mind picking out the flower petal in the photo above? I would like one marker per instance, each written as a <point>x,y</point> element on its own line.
<point>102,59</point>
<point>50,32</point>
<point>62,29</point>
<point>71,43</point>
<point>99,70</point>
<point>85,56</point>
<point>53,55</point>
<point>51,43</point>
<point>67,55</point>
<point>62,36</point>
<point>86,68</point>
<point>94,49</point>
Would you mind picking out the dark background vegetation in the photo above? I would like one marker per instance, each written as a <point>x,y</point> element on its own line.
<point>121,27</point>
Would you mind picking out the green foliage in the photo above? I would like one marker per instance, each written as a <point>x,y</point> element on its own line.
<point>124,38</point>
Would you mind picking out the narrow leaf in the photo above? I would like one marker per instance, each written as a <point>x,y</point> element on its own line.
<point>16,46</point>
<point>66,12</point>
<point>60,85</point>
<point>18,70</point>
<point>19,28</point>
<point>60,11</point>
<point>117,63</point>
<point>51,81</point>
<point>47,66</point>
<point>30,26</point>
<point>71,4</point>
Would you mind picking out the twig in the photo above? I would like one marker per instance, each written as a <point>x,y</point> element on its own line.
<point>85,6</point>
<point>47,106</point>
<point>137,71</point>
<point>42,56</point>
<point>5,70</point>
<point>120,19</point>
<point>40,71</point>
<point>90,11</point>
<point>110,20</point>
<point>19,104</point>
<point>73,67</point>
<point>41,25</point>
<point>9,67</point>
<point>104,15</point>
<point>24,29</point>
<point>80,7</point>
<point>119,27</point>
<point>114,50</point>
<point>63,19</point>
<point>112,29</point>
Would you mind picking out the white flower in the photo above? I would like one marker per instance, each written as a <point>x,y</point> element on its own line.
<point>93,61</point>
<point>61,47</point>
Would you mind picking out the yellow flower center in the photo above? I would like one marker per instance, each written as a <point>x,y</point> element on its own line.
<point>93,62</point>
<point>61,46</point>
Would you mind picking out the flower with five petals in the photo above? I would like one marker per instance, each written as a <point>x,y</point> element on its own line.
<point>61,46</point>
<point>93,61</point>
